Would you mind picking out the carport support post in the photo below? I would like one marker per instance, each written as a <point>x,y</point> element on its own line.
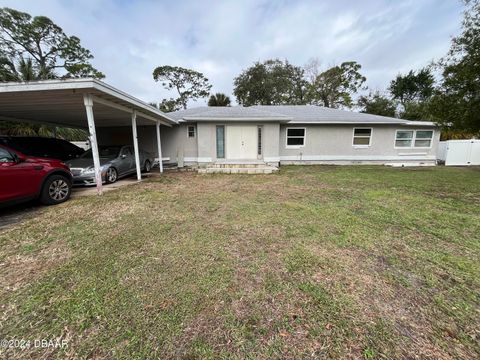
<point>135,145</point>
<point>88,101</point>
<point>159,144</point>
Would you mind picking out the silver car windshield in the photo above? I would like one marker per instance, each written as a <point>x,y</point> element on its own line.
<point>108,152</point>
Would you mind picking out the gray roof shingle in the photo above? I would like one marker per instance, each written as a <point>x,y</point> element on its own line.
<point>301,114</point>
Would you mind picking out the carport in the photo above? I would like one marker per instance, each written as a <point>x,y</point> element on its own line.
<point>81,103</point>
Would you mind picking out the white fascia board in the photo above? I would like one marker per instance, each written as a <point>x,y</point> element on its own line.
<point>421,123</point>
<point>195,118</point>
<point>345,123</point>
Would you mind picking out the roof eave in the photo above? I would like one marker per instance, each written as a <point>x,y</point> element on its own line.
<point>83,84</point>
<point>248,119</point>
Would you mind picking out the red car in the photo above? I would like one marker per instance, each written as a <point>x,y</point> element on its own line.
<point>23,178</point>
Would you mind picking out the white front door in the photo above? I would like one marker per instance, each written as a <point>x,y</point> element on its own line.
<point>241,142</point>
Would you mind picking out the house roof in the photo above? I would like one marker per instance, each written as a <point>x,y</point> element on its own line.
<point>291,114</point>
<point>239,113</point>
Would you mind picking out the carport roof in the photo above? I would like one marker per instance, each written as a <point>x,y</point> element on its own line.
<point>61,102</point>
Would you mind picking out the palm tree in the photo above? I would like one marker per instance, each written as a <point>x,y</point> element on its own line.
<point>14,128</point>
<point>219,99</point>
<point>24,70</point>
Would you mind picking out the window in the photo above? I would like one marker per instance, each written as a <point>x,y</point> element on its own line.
<point>191,131</point>
<point>295,137</point>
<point>220,142</point>
<point>423,138</point>
<point>362,136</point>
<point>5,156</point>
<point>259,147</point>
<point>412,138</point>
<point>404,138</point>
<point>127,151</point>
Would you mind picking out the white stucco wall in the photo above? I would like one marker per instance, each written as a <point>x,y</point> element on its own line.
<point>334,144</point>
<point>330,144</point>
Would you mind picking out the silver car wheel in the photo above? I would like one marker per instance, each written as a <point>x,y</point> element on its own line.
<point>58,190</point>
<point>111,175</point>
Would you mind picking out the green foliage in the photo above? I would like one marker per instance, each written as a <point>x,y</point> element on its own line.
<point>377,104</point>
<point>33,48</point>
<point>29,129</point>
<point>458,103</point>
<point>273,82</point>
<point>413,87</point>
<point>189,84</point>
<point>219,99</point>
<point>334,87</point>
<point>414,91</point>
<point>451,134</point>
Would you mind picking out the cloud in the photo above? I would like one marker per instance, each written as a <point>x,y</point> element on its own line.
<point>221,38</point>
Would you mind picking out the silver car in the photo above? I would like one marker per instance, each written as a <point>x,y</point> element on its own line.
<point>115,162</point>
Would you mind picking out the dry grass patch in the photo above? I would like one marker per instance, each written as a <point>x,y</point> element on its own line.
<point>312,262</point>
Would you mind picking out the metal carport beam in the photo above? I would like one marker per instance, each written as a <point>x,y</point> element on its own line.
<point>87,100</point>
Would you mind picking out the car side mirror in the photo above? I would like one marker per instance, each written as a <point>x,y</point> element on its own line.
<point>123,156</point>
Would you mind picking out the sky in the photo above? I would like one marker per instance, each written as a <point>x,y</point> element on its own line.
<point>129,38</point>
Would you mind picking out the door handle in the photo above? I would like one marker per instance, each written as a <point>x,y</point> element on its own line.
<point>38,167</point>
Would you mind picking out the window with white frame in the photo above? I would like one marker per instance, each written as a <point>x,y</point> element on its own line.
<point>191,131</point>
<point>362,136</point>
<point>404,138</point>
<point>423,138</point>
<point>295,137</point>
<point>413,138</point>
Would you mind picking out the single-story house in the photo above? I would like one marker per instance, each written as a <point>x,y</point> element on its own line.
<point>300,134</point>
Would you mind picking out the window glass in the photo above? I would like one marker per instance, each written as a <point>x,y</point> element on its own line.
<point>110,152</point>
<point>411,138</point>
<point>365,132</point>
<point>361,141</point>
<point>220,142</point>
<point>191,131</point>
<point>404,134</point>
<point>362,136</point>
<point>296,132</point>
<point>295,137</point>
<point>422,143</point>
<point>404,138</point>
<point>259,147</point>
<point>127,151</point>
<point>424,134</point>
<point>295,141</point>
<point>5,156</point>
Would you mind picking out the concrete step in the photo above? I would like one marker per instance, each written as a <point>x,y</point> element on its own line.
<point>237,165</point>
<point>238,170</point>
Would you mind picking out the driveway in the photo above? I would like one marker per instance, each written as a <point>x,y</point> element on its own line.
<point>17,214</point>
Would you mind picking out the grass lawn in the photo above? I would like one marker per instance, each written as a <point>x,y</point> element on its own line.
<point>320,261</point>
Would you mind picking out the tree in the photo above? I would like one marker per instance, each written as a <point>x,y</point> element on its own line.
<point>16,128</point>
<point>458,100</point>
<point>413,87</point>
<point>377,104</point>
<point>273,82</point>
<point>189,84</point>
<point>43,46</point>
<point>219,99</point>
<point>335,86</point>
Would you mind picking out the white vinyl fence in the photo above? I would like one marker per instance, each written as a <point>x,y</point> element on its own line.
<point>459,152</point>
